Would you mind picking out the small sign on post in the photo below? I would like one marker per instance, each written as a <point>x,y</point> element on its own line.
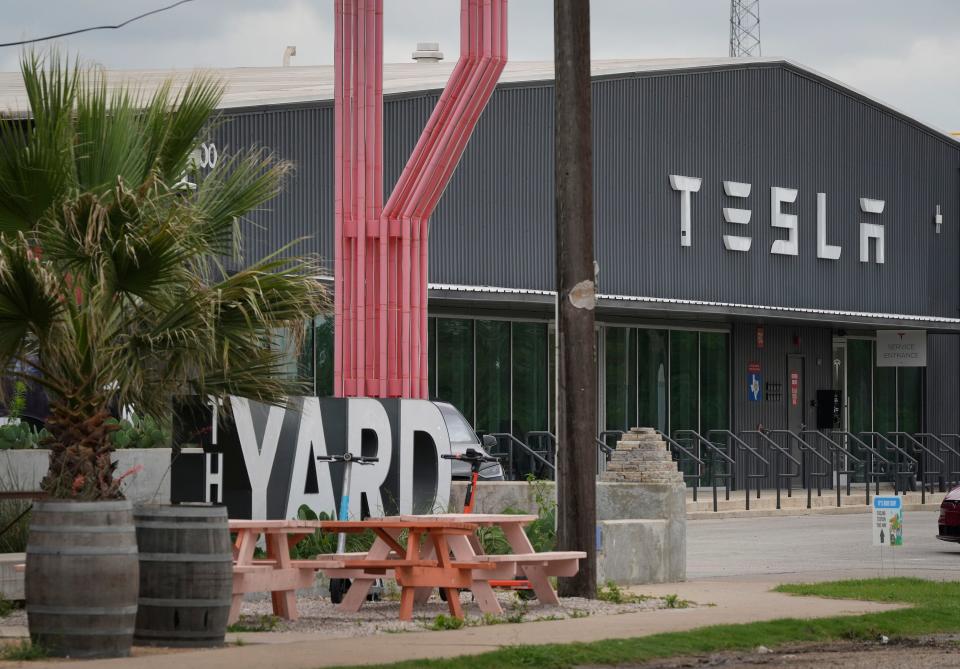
<point>887,521</point>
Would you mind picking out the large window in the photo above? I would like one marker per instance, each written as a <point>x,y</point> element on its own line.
<point>530,386</point>
<point>714,382</point>
<point>684,381</point>
<point>455,363</point>
<point>652,346</point>
<point>493,376</point>
<point>882,399</point>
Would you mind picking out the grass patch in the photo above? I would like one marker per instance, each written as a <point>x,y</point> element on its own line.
<point>264,623</point>
<point>444,622</point>
<point>935,610</point>
<point>23,651</point>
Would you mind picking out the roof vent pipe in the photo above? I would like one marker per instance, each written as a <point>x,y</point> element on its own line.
<point>288,53</point>
<point>428,52</point>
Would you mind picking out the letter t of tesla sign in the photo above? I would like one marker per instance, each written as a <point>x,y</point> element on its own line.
<point>380,250</point>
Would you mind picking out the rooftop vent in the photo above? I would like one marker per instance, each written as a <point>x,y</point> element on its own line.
<point>428,52</point>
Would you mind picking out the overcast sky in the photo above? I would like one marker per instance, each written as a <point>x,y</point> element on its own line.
<point>904,53</point>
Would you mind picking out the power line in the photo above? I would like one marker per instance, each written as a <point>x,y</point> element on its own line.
<point>105,27</point>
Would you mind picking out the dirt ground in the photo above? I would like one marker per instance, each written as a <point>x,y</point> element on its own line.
<point>940,652</point>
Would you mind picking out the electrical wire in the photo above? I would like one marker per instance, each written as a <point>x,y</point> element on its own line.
<point>105,27</point>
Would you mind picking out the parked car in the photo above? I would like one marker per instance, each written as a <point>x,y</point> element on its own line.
<point>463,437</point>
<point>950,516</point>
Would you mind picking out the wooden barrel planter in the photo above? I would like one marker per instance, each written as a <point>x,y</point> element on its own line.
<point>186,575</point>
<point>81,578</point>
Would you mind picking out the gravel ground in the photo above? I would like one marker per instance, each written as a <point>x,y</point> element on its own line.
<point>939,651</point>
<point>317,614</point>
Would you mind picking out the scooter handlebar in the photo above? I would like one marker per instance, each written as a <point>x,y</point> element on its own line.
<point>471,455</point>
<point>349,457</point>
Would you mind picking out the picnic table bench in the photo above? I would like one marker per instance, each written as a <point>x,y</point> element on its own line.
<point>536,567</point>
<point>441,551</point>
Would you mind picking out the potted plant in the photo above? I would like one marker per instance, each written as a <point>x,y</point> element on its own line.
<point>113,294</point>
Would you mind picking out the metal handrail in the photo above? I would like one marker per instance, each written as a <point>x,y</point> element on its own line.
<point>862,444</point>
<point>835,451</point>
<point>833,444</point>
<point>892,445</point>
<point>534,454</point>
<point>918,444</point>
<point>944,446</point>
<point>922,472</point>
<point>685,450</point>
<point>869,471</point>
<point>802,444</point>
<point>778,447</point>
<point>744,447</point>
<point>706,442</point>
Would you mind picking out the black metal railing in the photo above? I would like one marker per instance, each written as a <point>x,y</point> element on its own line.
<point>521,459</point>
<point>684,456</point>
<point>810,456</point>
<point>752,460</point>
<point>950,476</point>
<point>713,454</point>
<point>870,457</point>
<point>840,458</point>
<point>924,455</point>
<point>904,465</point>
<point>779,456</point>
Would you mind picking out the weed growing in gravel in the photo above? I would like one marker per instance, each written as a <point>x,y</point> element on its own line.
<point>611,592</point>
<point>23,651</point>
<point>6,607</point>
<point>445,622</point>
<point>673,601</point>
<point>264,623</point>
<point>579,613</point>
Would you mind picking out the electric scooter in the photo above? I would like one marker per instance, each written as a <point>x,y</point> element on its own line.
<point>476,460</point>
<point>339,586</point>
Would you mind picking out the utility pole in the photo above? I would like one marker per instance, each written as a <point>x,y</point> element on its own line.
<point>576,296</point>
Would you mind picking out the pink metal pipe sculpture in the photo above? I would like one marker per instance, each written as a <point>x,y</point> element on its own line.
<point>380,254</point>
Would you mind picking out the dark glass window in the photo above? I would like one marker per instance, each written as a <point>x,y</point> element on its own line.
<point>860,384</point>
<point>323,354</point>
<point>493,376</point>
<point>885,399</point>
<point>432,357</point>
<point>616,372</point>
<point>684,385</point>
<point>910,386</point>
<point>455,363</point>
<point>714,382</point>
<point>652,378</point>
<point>530,386</point>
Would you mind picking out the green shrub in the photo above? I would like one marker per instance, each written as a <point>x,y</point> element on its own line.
<point>19,435</point>
<point>23,651</point>
<point>137,432</point>
<point>444,622</point>
<point>14,540</point>
<point>325,543</point>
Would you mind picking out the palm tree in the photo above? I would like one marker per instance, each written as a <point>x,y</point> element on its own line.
<point>112,287</point>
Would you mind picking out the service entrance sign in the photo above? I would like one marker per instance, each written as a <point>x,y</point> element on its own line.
<point>901,348</point>
<point>887,521</point>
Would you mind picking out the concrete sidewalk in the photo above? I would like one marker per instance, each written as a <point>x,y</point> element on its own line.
<point>737,600</point>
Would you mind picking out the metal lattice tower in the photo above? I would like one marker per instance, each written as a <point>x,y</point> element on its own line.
<point>744,28</point>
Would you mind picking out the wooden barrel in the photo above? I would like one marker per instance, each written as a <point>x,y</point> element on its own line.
<point>186,575</point>
<point>82,577</point>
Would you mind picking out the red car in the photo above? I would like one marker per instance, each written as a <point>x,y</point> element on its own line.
<point>950,516</point>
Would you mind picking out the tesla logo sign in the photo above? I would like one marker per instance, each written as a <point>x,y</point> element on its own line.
<point>901,348</point>
<point>870,230</point>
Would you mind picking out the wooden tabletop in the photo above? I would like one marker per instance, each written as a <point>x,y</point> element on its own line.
<point>482,519</point>
<point>396,523</point>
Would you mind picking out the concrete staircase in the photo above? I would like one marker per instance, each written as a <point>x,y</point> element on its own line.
<point>796,505</point>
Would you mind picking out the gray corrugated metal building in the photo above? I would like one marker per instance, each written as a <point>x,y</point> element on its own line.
<point>735,323</point>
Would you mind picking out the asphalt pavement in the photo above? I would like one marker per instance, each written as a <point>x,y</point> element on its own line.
<point>835,546</point>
